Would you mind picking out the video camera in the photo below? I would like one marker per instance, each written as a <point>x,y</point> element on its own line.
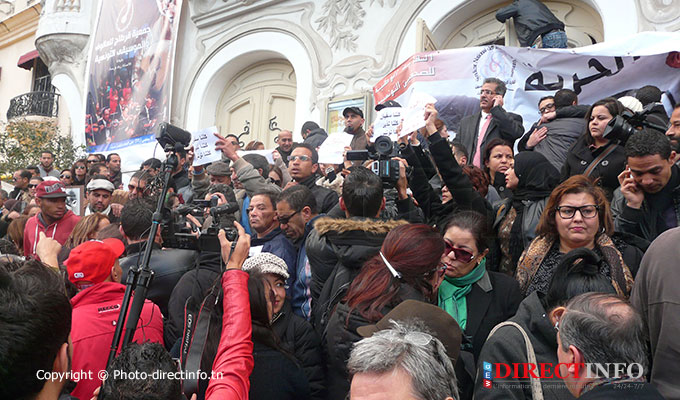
<point>176,234</point>
<point>621,127</point>
<point>382,152</point>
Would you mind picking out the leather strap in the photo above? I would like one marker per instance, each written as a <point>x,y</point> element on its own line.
<point>536,389</point>
<point>607,151</point>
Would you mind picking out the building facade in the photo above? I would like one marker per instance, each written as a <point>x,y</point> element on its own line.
<point>253,67</point>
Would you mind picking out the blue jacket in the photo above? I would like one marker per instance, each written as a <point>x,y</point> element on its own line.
<point>278,244</point>
<point>301,279</point>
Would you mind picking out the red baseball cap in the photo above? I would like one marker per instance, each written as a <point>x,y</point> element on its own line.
<point>50,190</point>
<point>90,263</point>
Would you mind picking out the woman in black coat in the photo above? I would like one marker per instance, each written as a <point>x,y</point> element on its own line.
<point>406,268</point>
<point>276,374</point>
<point>531,180</point>
<point>296,335</point>
<point>592,144</point>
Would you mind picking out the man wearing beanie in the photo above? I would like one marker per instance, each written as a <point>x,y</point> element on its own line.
<point>93,268</point>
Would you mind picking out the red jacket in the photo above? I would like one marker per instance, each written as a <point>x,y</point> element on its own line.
<point>95,311</point>
<point>234,359</point>
<point>58,231</point>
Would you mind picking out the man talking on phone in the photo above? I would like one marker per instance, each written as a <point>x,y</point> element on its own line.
<point>491,122</point>
<point>648,201</point>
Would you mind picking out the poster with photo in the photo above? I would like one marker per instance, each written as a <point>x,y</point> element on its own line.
<point>129,76</point>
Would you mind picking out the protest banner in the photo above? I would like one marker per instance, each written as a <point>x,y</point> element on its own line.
<point>129,75</point>
<point>454,77</point>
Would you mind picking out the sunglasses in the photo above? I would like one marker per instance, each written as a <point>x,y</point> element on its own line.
<point>285,220</point>
<point>460,254</point>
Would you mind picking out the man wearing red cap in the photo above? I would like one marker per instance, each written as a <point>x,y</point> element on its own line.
<point>54,219</point>
<point>94,270</point>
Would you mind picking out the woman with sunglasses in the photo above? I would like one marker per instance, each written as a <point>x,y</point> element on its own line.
<point>408,266</point>
<point>66,177</point>
<point>577,215</point>
<point>79,171</point>
<point>476,298</point>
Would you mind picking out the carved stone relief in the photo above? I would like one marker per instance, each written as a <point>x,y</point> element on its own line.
<point>659,15</point>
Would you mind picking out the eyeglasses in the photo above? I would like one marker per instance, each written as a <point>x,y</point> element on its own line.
<point>546,108</point>
<point>82,166</point>
<point>460,254</point>
<point>487,92</point>
<point>587,211</point>
<point>285,220</point>
<point>301,158</point>
<point>65,176</point>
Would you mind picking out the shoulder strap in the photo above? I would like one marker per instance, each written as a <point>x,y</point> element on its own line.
<point>610,148</point>
<point>536,389</point>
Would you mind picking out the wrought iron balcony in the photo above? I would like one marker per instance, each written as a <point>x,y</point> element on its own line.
<point>42,104</point>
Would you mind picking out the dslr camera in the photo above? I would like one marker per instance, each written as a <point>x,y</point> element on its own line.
<point>176,234</point>
<point>382,152</point>
<point>622,126</point>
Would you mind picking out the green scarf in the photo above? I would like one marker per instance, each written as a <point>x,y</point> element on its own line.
<point>452,293</point>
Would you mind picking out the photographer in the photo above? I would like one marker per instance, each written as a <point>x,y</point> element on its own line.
<point>168,265</point>
<point>594,155</point>
<point>646,204</point>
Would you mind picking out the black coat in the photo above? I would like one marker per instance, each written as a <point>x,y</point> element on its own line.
<point>532,18</point>
<point>342,334</point>
<point>336,249</point>
<point>195,282</point>
<point>299,338</point>
<point>325,198</point>
<point>276,377</point>
<point>580,156</point>
<point>491,301</point>
<point>504,125</point>
<point>168,266</point>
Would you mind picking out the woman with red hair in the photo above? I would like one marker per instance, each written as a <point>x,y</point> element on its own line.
<point>407,267</point>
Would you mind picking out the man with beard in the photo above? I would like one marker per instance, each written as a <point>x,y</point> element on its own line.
<point>673,131</point>
<point>354,120</point>
<point>113,164</point>
<point>46,165</point>
<point>99,192</point>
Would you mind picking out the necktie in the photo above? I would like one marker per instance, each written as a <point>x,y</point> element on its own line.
<point>478,152</point>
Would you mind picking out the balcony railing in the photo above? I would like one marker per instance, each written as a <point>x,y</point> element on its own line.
<point>42,104</point>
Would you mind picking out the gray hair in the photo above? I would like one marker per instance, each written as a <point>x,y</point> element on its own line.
<point>409,346</point>
<point>500,85</point>
<point>605,328</point>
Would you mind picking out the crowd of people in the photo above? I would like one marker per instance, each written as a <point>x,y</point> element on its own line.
<point>322,281</point>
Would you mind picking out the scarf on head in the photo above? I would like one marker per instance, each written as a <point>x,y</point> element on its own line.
<point>537,178</point>
<point>453,292</point>
<point>532,258</point>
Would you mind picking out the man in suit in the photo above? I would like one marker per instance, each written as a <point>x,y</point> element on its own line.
<point>491,122</point>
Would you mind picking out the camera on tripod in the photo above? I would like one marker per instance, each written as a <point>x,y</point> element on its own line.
<point>621,127</point>
<point>176,233</point>
<point>382,152</point>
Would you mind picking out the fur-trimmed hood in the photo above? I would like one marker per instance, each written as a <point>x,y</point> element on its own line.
<point>325,225</point>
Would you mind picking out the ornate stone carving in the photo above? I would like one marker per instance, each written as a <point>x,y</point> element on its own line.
<point>658,15</point>
<point>6,7</point>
